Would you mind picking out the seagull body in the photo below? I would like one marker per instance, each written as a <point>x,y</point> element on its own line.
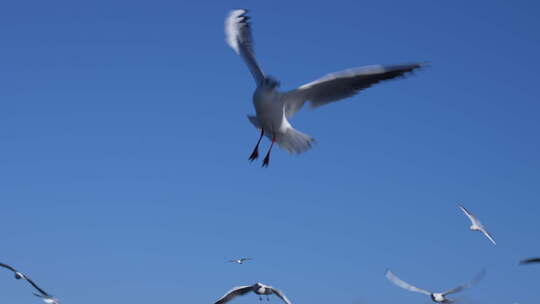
<point>274,108</point>
<point>239,261</point>
<point>438,297</point>
<point>257,288</point>
<point>47,298</point>
<point>476,225</point>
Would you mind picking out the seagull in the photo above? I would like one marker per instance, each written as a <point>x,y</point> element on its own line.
<point>257,288</point>
<point>47,298</point>
<point>274,108</point>
<point>476,225</point>
<point>529,261</point>
<point>239,261</point>
<point>438,297</point>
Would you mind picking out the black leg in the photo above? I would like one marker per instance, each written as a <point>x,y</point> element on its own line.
<point>255,154</point>
<point>267,157</point>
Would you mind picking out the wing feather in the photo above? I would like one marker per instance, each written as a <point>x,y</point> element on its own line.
<point>340,85</point>
<point>475,280</point>
<point>471,216</point>
<point>394,279</point>
<point>8,267</point>
<point>239,38</point>
<point>233,293</point>
<point>280,295</point>
<point>43,292</point>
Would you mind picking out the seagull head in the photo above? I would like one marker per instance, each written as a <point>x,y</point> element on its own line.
<point>18,275</point>
<point>270,82</point>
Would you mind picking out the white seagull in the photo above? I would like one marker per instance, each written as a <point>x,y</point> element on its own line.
<point>47,298</point>
<point>274,108</point>
<point>257,288</point>
<point>476,225</point>
<point>239,261</point>
<point>438,297</point>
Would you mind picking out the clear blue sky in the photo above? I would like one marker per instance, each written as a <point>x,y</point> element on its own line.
<point>124,146</point>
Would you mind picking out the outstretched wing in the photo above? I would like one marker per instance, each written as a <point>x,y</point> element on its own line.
<point>488,235</point>
<point>8,267</point>
<point>233,293</point>
<point>394,279</point>
<point>340,85</point>
<point>238,36</point>
<point>477,278</point>
<point>43,292</point>
<point>471,216</point>
<point>280,295</point>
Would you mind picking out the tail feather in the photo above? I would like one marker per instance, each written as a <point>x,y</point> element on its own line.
<point>294,141</point>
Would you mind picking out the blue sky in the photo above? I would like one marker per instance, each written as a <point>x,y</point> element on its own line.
<point>125,143</point>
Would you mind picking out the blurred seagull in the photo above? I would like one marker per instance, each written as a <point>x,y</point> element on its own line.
<point>239,261</point>
<point>18,275</point>
<point>438,297</point>
<point>257,288</point>
<point>47,298</point>
<point>529,261</point>
<point>476,225</point>
<point>274,108</point>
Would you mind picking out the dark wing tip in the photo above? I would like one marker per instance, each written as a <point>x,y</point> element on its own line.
<point>529,261</point>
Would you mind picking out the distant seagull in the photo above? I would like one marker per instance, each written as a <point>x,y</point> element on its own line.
<point>439,297</point>
<point>239,261</point>
<point>274,108</point>
<point>530,261</point>
<point>476,225</point>
<point>47,298</point>
<point>257,288</point>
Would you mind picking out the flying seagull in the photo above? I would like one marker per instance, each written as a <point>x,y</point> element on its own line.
<point>274,108</point>
<point>476,225</point>
<point>239,261</point>
<point>438,297</point>
<point>47,298</point>
<point>529,261</point>
<point>257,288</point>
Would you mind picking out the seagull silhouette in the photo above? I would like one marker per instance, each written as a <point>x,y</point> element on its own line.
<point>476,225</point>
<point>46,297</point>
<point>239,261</point>
<point>257,288</point>
<point>438,297</point>
<point>274,108</point>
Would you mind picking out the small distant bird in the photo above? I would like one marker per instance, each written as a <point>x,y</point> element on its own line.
<point>239,261</point>
<point>47,298</point>
<point>438,297</point>
<point>530,261</point>
<point>274,108</point>
<point>476,225</point>
<point>257,288</point>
